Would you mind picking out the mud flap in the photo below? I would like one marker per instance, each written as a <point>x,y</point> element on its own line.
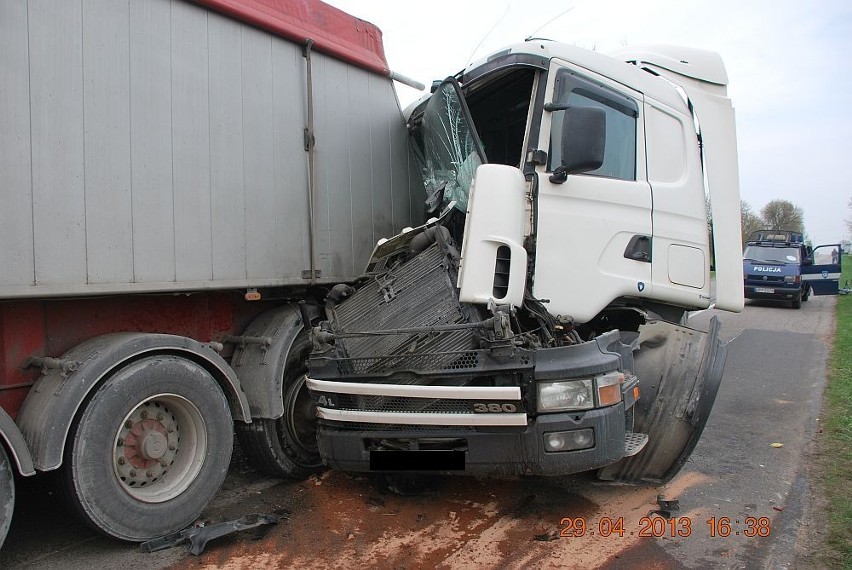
<point>679,371</point>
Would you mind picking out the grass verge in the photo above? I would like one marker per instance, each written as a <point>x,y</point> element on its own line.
<point>834,463</point>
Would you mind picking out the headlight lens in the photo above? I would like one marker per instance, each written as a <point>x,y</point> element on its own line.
<point>579,394</point>
<point>565,395</point>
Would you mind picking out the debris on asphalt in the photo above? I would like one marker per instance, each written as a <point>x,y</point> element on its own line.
<point>667,507</point>
<point>199,536</point>
<point>776,445</point>
<point>375,501</point>
<point>547,537</point>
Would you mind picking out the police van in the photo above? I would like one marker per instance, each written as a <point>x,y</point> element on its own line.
<point>778,266</point>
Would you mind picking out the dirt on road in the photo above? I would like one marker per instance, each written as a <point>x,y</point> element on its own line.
<point>353,521</point>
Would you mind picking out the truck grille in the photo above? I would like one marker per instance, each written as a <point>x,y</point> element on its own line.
<point>768,279</point>
<point>450,360</point>
<point>418,294</point>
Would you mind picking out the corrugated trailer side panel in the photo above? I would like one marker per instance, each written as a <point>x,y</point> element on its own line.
<point>106,141</point>
<point>360,145</point>
<point>152,145</point>
<point>151,141</point>
<point>16,189</point>
<point>57,145</point>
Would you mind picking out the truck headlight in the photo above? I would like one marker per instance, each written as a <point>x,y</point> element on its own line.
<point>565,395</point>
<point>792,279</point>
<point>579,394</point>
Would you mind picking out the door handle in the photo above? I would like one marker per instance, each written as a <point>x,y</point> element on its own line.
<point>639,248</point>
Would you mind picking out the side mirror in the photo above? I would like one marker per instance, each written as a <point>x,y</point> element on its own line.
<point>583,139</point>
<point>807,261</point>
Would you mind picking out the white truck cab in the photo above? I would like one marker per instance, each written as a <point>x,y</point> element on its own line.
<point>535,324</point>
<point>635,226</point>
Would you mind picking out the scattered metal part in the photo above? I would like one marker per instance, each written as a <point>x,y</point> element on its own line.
<point>199,536</point>
<point>548,537</point>
<point>375,501</point>
<point>667,507</point>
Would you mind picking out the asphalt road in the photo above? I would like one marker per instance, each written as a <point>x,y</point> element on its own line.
<point>770,394</point>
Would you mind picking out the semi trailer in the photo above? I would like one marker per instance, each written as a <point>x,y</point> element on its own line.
<point>174,176</point>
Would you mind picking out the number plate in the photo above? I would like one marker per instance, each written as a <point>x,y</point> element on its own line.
<point>421,460</point>
<point>763,290</point>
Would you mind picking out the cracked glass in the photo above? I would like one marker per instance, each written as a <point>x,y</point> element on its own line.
<point>450,147</point>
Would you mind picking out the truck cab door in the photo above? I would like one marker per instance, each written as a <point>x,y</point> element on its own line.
<point>593,227</point>
<point>681,249</point>
<point>821,270</point>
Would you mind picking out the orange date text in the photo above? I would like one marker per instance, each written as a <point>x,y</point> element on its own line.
<point>659,527</point>
<point>576,527</point>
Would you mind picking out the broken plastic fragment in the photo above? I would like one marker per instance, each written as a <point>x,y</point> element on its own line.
<point>667,507</point>
<point>199,536</point>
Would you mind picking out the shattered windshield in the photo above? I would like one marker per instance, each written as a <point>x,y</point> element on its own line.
<point>450,149</point>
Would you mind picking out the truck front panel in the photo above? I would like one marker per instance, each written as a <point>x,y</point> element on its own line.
<point>496,428</point>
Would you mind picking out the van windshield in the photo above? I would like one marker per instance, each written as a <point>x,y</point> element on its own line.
<point>786,255</point>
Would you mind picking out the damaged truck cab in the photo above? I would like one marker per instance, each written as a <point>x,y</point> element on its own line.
<point>536,323</point>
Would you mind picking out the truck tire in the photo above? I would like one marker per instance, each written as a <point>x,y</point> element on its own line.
<point>7,494</point>
<point>149,449</point>
<point>806,293</point>
<point>796,303</point>
<point>287,446</point>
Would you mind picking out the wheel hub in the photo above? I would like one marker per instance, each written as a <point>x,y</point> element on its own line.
<point>153,445</point>
<point>147,445</point>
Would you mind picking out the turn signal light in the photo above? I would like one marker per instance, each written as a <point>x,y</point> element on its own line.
<point>609,388</point>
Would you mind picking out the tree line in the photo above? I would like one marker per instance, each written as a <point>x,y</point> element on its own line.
<point>777,214</point>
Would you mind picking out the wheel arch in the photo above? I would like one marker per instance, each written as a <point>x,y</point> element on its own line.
<point>15,444</point>
<point>50,408</point>
<point>261,355</point>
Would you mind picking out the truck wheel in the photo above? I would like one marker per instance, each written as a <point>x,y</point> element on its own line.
<point>287,446</point>
<point>806,293</point>
<point>149,449</point>
<point>796,303</point>
<point>7,494</point>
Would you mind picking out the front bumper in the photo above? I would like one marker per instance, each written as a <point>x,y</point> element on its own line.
<point>366,423</point>
<point>497,451</point>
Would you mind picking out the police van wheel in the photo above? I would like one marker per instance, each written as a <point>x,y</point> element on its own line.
<point>806,294</point>
<point>797,303</point>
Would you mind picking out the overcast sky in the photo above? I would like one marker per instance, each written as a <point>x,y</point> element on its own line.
<point>787,61</point>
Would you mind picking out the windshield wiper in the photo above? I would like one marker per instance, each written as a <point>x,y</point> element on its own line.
<point>775,261</point>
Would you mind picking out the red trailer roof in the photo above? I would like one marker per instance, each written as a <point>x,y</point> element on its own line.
<point>333,31</point>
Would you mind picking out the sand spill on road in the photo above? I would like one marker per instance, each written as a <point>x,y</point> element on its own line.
<point>349,521</point>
